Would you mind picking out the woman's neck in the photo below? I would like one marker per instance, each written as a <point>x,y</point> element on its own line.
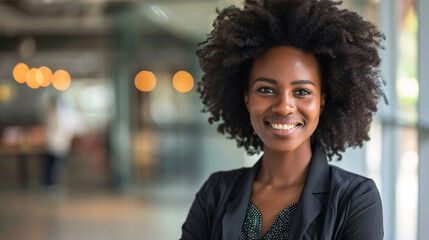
<point>285,169</point>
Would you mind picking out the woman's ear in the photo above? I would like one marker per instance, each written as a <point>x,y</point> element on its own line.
<point>246,100</point>
<point>322,102</point>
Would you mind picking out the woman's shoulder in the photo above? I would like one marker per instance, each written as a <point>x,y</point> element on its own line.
<point>222,183</point>
<point>355,202</point>
<point>229,177</point>
<point>231,174</point>
<point>350,183</point>
<point>338,173</point>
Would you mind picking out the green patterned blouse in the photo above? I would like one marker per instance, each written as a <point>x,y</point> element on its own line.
<point>279,230</point>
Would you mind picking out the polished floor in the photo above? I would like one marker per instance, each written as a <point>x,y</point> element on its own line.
<point>70,215</point>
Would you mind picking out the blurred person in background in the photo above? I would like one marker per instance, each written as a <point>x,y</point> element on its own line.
<point>298,80</point>
<point>59,136</point>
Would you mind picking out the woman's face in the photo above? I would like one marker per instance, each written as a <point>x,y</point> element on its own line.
<point>284,98</point>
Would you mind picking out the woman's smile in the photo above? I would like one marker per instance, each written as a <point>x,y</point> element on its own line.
<point>284,98</point>
<point>283,126</point>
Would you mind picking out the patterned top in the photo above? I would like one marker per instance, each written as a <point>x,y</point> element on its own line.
<point>279,230</point>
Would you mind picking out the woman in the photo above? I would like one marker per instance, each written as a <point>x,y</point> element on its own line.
<point>299,80</point>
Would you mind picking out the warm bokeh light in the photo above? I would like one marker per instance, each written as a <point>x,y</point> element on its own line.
<point>33,78</point>
<point>61,80</point>
<point>20,72</point>
<point>5,93</point>
<point>183,81</point>
<point>145,81</point>
<point>47,76</point>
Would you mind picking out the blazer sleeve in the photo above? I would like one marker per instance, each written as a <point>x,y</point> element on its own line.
<point>198,223</point>
<point>365,214</point>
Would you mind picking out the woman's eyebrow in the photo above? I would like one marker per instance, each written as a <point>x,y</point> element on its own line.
<point>269,80</point>
<point>298,82</point>
<point>302,82</point>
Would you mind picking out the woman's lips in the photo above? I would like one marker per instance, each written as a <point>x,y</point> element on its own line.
<point>280,120</point>
<point>282,128</point>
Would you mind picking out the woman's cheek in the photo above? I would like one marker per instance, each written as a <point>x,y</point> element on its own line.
<point>312,106</point>
<point>257,105</point>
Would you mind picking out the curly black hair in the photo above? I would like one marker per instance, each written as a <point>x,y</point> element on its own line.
<point>346,49</point>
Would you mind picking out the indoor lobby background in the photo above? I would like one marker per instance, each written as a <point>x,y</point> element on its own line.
<point>132,156</point>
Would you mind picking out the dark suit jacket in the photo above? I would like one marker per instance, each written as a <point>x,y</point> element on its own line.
<point>334,204</point>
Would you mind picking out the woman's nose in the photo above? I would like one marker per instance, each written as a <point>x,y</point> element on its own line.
<point>285,105</point>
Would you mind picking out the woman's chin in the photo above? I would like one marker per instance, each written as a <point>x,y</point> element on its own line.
<point>281,147</point>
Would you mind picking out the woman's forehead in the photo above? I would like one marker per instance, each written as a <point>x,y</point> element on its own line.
<point>286,63</point>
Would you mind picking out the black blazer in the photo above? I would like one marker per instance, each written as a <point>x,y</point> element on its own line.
<point>334,204</point>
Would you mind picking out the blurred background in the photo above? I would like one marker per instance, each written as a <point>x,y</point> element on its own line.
<point>116,146</point>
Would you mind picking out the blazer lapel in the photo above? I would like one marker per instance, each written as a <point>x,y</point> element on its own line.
<point>309,205</point>
<point>236,209</point>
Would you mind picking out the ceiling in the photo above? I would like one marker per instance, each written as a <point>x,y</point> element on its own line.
<point>189,18</point>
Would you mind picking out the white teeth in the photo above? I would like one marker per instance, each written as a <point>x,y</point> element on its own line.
<point>282,126</point>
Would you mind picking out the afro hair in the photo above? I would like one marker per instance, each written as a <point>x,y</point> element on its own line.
<point>346,49</point>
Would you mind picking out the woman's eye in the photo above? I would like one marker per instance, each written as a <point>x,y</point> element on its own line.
<point>265,90</point>
<point>302,92</point>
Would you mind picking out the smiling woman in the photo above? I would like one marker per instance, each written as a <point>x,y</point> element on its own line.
<point>299,80</point>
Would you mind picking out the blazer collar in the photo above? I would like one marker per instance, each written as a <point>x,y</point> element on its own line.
<point>309,206</point>
<point>236,209</point>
